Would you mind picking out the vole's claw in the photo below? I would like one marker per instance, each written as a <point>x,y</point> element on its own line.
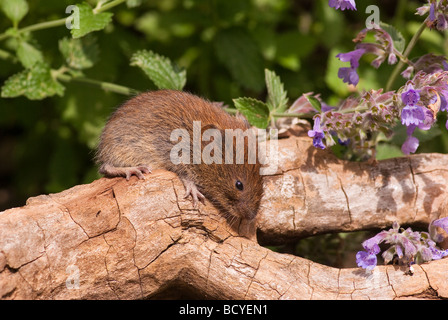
<point>191,189</point>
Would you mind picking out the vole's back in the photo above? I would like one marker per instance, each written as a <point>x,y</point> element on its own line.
<point>139,131</point>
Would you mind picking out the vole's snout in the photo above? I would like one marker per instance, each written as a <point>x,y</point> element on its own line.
<point>248,214</point>
<point>251,215</point>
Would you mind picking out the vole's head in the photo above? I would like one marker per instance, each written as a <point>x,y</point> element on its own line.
<point>234,189</point>
<point>242,190</point>
<point>235,185</point>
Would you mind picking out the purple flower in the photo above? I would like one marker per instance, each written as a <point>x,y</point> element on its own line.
<point>366,260</point>
<point>342,4</point>
<point>348,74</point>
<point>428,121</point>
<point>441,22</point>
<point>439,223</point>
<point>317,134</point>
<point>410,145</point>
<point>432,10</point>
<point>371,245</point>
<point>411,96</point>
<point>406,246</point>
<point>443,102</point>
<point>437,253</point>
<point>352,57</point>
<point>392,59</point>
<point>412,115</point>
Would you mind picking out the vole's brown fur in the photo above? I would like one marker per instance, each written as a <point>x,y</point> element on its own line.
<point>137,136</point>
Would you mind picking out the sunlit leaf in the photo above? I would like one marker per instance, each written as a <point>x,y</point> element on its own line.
<point>160,70</point>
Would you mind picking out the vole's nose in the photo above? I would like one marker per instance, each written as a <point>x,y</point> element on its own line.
<point>250,215</point>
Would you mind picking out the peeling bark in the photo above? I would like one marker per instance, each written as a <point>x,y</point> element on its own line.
<point>139,239</point>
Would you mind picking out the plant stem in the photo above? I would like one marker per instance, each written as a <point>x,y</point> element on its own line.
<point>278,115</point>
<point>406,53</point>
<point>107,86</point>
<point>37,26</point>
<point>59,22</point>
<point>107,6</point>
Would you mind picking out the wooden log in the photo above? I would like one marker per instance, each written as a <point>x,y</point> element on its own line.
<point>139,239</point>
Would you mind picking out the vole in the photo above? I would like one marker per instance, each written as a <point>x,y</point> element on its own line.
<point>137,138</point>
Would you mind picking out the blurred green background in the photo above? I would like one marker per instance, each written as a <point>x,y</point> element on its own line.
<point>47,146</point>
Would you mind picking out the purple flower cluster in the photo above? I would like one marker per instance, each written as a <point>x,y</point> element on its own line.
<point>383,49</point>
<point>406,246</point>
<point>438,14</point>
<point>422,105</point>
<point>356,122</point>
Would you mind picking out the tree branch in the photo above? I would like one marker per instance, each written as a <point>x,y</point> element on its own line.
<point>118,239</point>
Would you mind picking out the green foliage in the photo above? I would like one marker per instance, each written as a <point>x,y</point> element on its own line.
<point>259,113</point>
<point>160,70</point>
<point>239,53</point>
<point>79,53</point>
<point>15,10</point>
<point>90,21</point>
<point>256,112</point>
<point>35,83</point>
<point>28,54</point>
<point>58,86</point>
<point>277,96</point>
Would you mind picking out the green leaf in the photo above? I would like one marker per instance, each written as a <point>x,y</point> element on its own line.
<point>315,103</point>
<point>79,53</point>
<point>397,37</point>
<point>277,99</point>
<point>240,54</point>
<point>35,84</point>
<point>89,21</point>
<point>28,55</point>
<point>15,10</point>
<point>256,111</point>
<point>387,151</point>
<point>160,70</point>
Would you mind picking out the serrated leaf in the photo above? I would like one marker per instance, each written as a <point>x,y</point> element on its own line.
<point>28,55</point>
<point>240,54</point>
<point>79,53</point>
<point>397,37</point>
<point>35,83</point>
<point>277,99</point>
<point>160,70</point>
<point>89,21</point>
<point>15,10</point>
<point>256,111</point>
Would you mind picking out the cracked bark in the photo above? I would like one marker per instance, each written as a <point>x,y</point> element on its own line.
<point>139,240</point>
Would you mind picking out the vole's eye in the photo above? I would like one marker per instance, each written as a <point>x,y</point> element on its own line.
<point>239,185</point>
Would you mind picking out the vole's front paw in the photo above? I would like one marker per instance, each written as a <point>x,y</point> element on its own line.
<point>191,189</point>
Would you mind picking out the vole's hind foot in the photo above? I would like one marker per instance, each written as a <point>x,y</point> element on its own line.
<point>191,189</point>
<point>127,172</point>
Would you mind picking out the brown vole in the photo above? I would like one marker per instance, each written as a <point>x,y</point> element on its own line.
<point>137,137</point>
